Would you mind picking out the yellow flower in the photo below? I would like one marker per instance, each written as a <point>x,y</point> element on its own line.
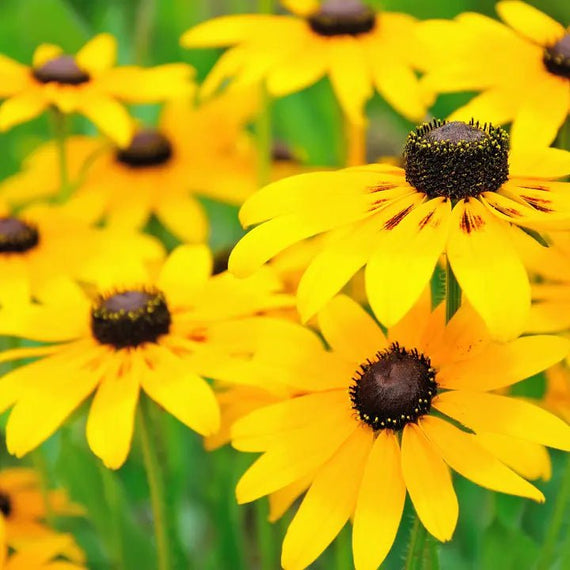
<point>87,83</point>
<point>345,40</point>
<point>522,70</point>
<point>154,335</point>
<point>46,554</point>
<point>460,193</point>
<point>557,395</point>
<point>365,432</point>
<point>43,243</point>
<point>195,151</point>
<point>23,508</point>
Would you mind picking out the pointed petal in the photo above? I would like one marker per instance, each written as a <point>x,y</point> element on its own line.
<point>98,54</point>
<point>530,22</point>
<point>20,108</point>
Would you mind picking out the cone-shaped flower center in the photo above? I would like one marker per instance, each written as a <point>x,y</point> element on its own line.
<point>148,148</point>
<point>5,504</point>
<point>557,57</point>
<point>17,236</point>
<point>130,318</point>
<point>62,69</point>
<point>456,160</point>
<point>393,390</point>
<point>342,17</point>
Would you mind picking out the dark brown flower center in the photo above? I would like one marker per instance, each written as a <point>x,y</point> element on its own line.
<point>17,236</point>
<point>393,390</point>
<point>62,69</point>
<point>342,17</point>
<point>557,57</point>
<point>148,148</point>
<point>456,160</point>
<point>130,318</point>
<point>5,504</point>
<point>281,152</point>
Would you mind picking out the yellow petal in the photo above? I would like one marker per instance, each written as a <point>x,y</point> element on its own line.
<point>328,504</point>
<point>539,162</point>
<point>97,55</point>
<point>492,106</point>
<point>44,53</point>
<point>282,499</point>
<point>499,365</point>
<point>350,330</point>
<point>530,22</point>
<point>301,7</point>
<point>112,416</point>
<point>380,503</point>
<point>184,216</point>
<point>504,415</point>
<point>429,483</point>
<point>462,452</point>
<point>488,269</point>
<point>20,108</point>
<point>402,266</point>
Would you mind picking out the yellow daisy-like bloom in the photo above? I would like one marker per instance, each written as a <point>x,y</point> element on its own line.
<point>366,431</point>
<point>522,70</point>
<point>195,150</point>
<point>87,83</point>
<point>43,243</point>
<point>155,336</point>
<point>460,192</point>
<point>23,508</point>
<point>46,554</point>
<point>345,40</point>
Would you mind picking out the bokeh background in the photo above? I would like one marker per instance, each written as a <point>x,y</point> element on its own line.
<point>495,531</point>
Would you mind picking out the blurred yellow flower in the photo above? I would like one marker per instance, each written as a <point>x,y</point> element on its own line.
<point>47,554</point>
<point>460,192</point>
<point>87,83</point>
<point>365,433</point>
<point>358,49</point>
<point>522,69</point>
<point>156,335</point>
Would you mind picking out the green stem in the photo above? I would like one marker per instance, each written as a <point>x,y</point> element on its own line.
<point>452,294</point>
<point>265,537</point>
<point>41,467</point>
<point>556,521</point>
<point>112,499</point>
<point>60,133</point>
<point>144,20</point>
<point>416,546</point>
<point>155,483</point>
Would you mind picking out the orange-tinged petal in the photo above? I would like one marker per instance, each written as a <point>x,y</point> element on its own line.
<point>328,504</point>
<point>499,365</point>
<point>380,503</point>
<point>98,54</point>
<point>504,415</point>
<point>350,330</point>
<point>462,452</point>
<point>488,269</point>
<point>429,483</point>
<point>530,22</point>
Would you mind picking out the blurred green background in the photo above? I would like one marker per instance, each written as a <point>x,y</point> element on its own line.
<point>212,531</point>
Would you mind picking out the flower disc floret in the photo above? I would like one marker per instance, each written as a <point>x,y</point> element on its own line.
<point>456,160</point>
<point>148,147</point>
<point>5,504</point>
<point>17,236</point>
<point>62,69</point>
<point>130,318</point>
<point>395,389</point>
<point>556,58</point>
<point>342,17</point>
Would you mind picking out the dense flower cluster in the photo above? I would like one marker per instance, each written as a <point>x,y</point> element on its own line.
<point>369,335</point>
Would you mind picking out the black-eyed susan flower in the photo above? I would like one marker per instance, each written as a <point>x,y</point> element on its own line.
<point>87,83</point>
<point>43,243</point>
<point>48,553</point>
<point>152,335</point>
<point>522,69</point>
<point>460,192</point>
<point>385,415</point>
<point>358,49</point>
<point>24,510</point>
<point>195,151</point>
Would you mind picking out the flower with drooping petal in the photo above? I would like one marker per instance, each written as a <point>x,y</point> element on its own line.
<point>151,336</point>
<point>87,83</point>
<point>521,69</point>
<point>358,49</point>
<point>461,192</point>
<point>385,415</point>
